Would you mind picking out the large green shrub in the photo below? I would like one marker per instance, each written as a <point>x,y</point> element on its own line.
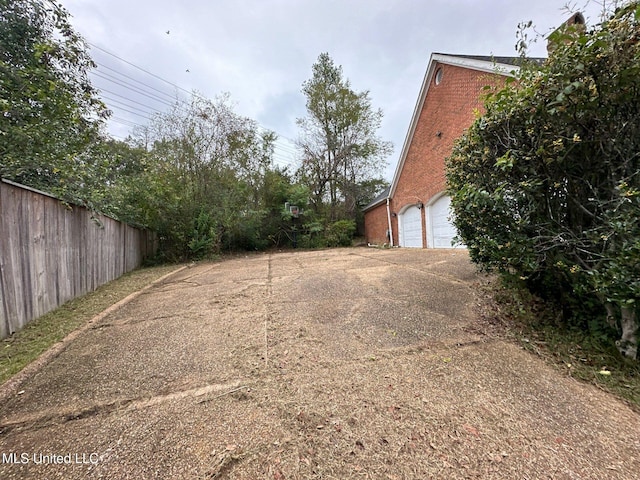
<point>340,233</point>
<point>204,238</point>
<point>545,185</point>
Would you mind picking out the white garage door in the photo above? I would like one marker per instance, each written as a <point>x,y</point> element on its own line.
<point>442,229</point>
<point>411,228</point>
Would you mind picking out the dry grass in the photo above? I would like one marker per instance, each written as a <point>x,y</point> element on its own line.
<point>587,356</point>
<point>21,348</point>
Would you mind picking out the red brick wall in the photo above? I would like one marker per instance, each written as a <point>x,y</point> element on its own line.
<point>449,109</point>
<point>376,225</point>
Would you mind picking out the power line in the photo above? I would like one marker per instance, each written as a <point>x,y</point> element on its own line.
<point>129,86</point>
<point>139,68</point>
<point>135,89</point>
<point>129,100</point>
<point>128,123</point>
<point>136,80</point>
<point>283,153</point>
<point>286,150</point>
<point>167,82</point>
<point>131,111</point>
<point>161,79</point>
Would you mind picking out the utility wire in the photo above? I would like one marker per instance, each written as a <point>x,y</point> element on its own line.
<point>146,117</point>
<point>139,68</point>
<point>135,89</point>
<point>154,110</point>
<point>167,82</point>
<point>287,152</point>
<point>128,123</point>
<point>100,65</point>
<point>124,83</point>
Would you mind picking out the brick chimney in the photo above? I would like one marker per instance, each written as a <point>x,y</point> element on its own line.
<point>574,26</point>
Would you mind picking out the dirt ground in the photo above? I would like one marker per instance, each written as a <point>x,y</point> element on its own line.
<point>338,364</point>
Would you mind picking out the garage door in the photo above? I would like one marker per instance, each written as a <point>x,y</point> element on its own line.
<point>411,228</point>
<point>442,229</point>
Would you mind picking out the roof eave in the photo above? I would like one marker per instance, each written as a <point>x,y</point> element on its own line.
<point>476,64</point>
<point>373,205</point>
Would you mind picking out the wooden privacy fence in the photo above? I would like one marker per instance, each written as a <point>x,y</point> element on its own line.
<point>51,252</point>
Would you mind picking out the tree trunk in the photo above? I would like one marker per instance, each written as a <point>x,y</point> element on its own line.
<point>628,343</point>
<point>611,313</point>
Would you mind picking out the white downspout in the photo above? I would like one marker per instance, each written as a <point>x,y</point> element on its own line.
<point>389,220</point>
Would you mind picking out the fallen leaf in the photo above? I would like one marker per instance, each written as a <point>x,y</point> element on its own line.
<point>472,430</point>
<point>604,372</point>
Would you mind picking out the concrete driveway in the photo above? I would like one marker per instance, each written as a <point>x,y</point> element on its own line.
<point>338,364</point>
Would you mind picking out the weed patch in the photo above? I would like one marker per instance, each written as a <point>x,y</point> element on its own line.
<point>21,348</point>
<point>587,355</point>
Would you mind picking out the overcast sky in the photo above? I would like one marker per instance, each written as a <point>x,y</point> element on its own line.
<point>261,51</point>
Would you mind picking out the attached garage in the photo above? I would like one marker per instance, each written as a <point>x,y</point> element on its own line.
<point>410,226</point>
<point>442,113</point>
<point>451,94</point>
<point>440,229</point>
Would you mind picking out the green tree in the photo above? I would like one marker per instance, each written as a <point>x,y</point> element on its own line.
<point>338,140</point>
<point>121,181</point>
<point>366,192</point>
<point>205,176</point>
<point>546,185</point>
<point>49,112</point>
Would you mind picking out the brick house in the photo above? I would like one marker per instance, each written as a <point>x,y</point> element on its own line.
<point>414,211</point>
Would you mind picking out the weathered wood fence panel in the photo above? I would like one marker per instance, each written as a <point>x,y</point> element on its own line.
<point>51,253</point>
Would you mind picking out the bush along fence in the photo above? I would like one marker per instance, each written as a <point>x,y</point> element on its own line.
<point>52,252</point>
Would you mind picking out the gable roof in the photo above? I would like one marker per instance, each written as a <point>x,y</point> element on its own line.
<point>378,200</point>
<point>507,66</point>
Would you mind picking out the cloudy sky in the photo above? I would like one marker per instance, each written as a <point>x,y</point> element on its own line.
<point>261,51</point>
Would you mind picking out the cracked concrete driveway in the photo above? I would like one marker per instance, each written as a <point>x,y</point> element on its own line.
<point>349,363</point>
